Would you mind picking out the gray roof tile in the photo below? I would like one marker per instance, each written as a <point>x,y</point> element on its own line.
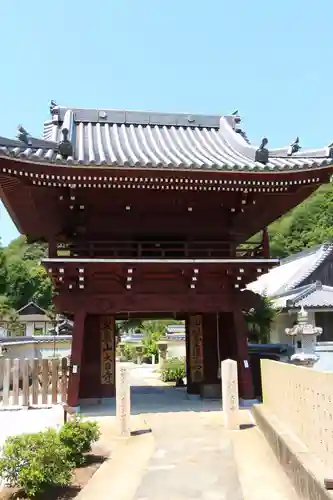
<point>143,139</point>
<point>313,296</point>
<point>291,272</point>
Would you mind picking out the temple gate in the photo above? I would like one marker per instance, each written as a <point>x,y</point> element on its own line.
<point>150,214</point>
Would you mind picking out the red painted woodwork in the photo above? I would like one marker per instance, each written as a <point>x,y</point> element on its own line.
<point>44,192</point>
<point>91,386</point>
<point>162,249</point>
<point>90,382</point>
<point>245,381</point>
<point>194,353</point>
<point>142,214</point>
<point>265,243</point>
<point>192,388</point>
<point>268,208</point>
<point>222,339</point>
<point>76,357</point>
<point>133,304</point>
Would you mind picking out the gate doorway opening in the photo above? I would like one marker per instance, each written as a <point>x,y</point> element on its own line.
<point>100,341</point>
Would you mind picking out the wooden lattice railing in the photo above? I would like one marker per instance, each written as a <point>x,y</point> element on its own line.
<point>161,249</point>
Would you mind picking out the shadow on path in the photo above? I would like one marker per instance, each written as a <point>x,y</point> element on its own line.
<point>154,399</point>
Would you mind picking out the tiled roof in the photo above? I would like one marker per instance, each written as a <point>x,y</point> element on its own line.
<point>314,296</point>
<point>143,139</point>
<point>292,271</point>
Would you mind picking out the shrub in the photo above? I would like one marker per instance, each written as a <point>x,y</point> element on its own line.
<point>33,462</point>
<point>129,352</point>
<point>77,437</point>
<point>173,370</point>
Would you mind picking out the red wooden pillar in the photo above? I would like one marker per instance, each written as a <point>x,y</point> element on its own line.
<point>76,358</point>
<point>211,337</point>
<point>194,353</point>
<point>97,379</point>
<point>108,356</point>
<point>265,243</point>
<point>218,333</point>
<point>245,381</point>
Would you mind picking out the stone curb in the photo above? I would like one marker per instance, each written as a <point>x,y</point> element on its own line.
<point>120,475</point>
<point>304,471</point>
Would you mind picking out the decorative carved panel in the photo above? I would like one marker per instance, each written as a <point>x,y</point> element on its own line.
<point>108,360</point>
<point>196,348</point>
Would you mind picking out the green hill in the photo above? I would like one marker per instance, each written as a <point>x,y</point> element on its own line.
<point>307,225</point>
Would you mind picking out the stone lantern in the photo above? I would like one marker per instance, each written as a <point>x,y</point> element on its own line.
<point>139,354</point>
<point>162,352</point>
<point>306,334</point>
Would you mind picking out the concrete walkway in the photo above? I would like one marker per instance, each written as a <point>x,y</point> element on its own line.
<point>189,455</point>
<point>183,451</point>
<point>193,458</point>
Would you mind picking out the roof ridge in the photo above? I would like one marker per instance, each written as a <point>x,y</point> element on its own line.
<point>327,288</point>
<point>312,287</point>
<point>327,249</point>
<point>31,303</point>
<point>137,117</point>
<point>123,138</point>
<point>148,111</point>
<point>302,253</point>
<point>296,290</point>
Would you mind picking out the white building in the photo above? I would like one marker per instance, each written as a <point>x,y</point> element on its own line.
<point>34,319</point>
<point>303,279</point>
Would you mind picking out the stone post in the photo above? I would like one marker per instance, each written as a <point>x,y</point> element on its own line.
<point>122,351</point>
<point>162,352</point>
<point>123,401</point>
<point>139,354</point>
<point>230,402</point>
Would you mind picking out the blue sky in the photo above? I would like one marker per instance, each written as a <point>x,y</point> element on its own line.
<point>271,60</point>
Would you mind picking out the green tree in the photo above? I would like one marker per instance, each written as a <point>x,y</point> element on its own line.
<point>9,316</point>
<point>260,319</point>
<point>41,287</point>
<point>309,224</point>
<point>153,331</point>
<point>22,278</point>
<point>3,271</point>
<point>19,285</point>
<point>128,325</point>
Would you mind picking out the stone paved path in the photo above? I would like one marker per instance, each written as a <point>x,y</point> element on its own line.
<point>193,459</point>
<point>188,455</point>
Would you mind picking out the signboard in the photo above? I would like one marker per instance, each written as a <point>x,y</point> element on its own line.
<point>196,348</point>
<point>107,329</point>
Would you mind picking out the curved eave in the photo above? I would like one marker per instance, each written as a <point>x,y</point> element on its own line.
<point>52,175</point>
<point>240,163</point>
<point>161,143</point>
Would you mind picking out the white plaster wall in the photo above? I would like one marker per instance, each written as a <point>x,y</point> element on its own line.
<point>31,325</point>
<point>29,329</point>
<point>176,349</point>
<point>3,331</point>
<point>283,321</point>
<point>37,350</point>
<point>20,351</point>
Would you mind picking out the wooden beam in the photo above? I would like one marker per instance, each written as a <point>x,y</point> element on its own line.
<point>131,302</point>
<point>268,209</point>
<point>16,197</point>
